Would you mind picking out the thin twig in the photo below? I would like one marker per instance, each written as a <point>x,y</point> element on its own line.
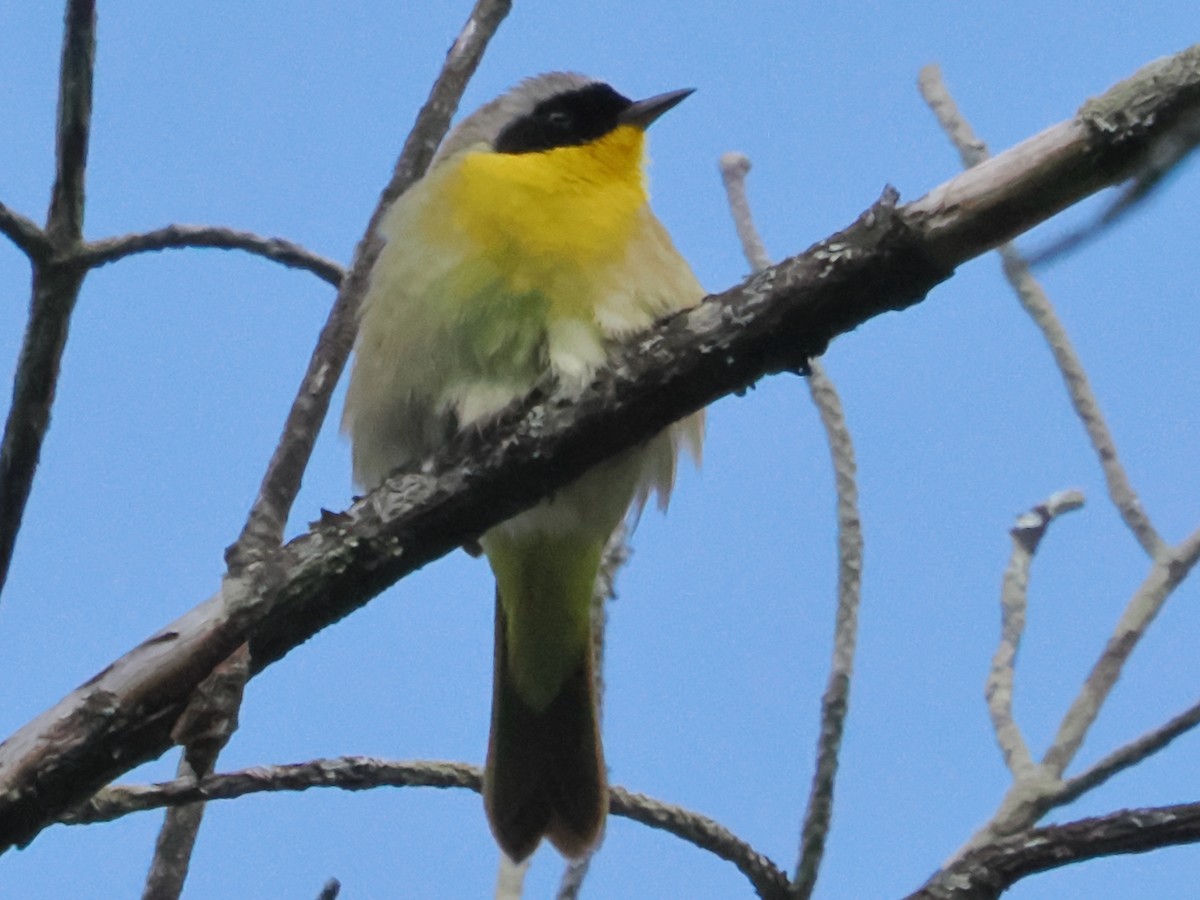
<point>173,847</point>
<point>330,890</point>
<point>1031,797</point>
<point>204,728</point>
<point>768,879</point>
<point>1129,755</point>
<point>64,222</point>
<point>263,530</point>
<point>25,233</point>
<point>1014,599</point>
<point>835,703</point>
<point>734,169</point>
<point>98,253</point>
<point>55,286</point>
<point>1165,575</point>
<point>348,773</point>
<point>1035,302</point>
<point>356,773</point>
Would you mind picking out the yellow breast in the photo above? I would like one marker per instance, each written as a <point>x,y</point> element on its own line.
<point>549,220</point>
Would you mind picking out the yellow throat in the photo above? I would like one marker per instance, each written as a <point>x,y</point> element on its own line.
<point>540,216</point>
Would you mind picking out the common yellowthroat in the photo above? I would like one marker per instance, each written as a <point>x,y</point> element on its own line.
<point>527,249</point>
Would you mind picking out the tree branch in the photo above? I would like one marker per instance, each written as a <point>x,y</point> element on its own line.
<point>64,224</point>
<point>987,872</point>
<point>1129,755</point>
<point>25,233</point>
<point>1037,305</point>
<point>1143,606</point>
<point>774,322</point>
<point>357,773</point>
<point>55,285</point>
<point>835,704</point>
<point>98,253</point>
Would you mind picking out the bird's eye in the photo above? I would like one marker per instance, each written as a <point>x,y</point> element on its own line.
<point>558,119</point>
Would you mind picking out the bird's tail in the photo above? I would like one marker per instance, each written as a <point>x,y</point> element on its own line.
<point>545,769</point>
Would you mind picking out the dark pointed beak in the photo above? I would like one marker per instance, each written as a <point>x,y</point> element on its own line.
<point>643,113</point>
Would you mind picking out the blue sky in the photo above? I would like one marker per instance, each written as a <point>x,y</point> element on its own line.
<point>286,120</point>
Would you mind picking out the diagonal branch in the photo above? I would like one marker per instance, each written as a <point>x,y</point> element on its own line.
<point>25,233</point>
<point>1130,755</point>
<point>98,253</point>
<point>774,322</point>
<point>973,151</point>
<point>1146,602</point>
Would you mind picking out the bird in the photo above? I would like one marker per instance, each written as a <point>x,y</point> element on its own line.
<point>527,250</point>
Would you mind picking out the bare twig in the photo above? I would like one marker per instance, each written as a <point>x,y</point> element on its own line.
<point>1129,755</point>
<point>55,286</point>
<point>1041,789</point>
<point>835,703</point>
<point>974,152</point>
<point>1039,308</point>
<point>330,890</point>
<point>173,847</point>
<point>347,773</point>
<point>573,876</point>
<point>774,322</point>
<point>356,773</point>
<point>734,169</point>
<point>263,530</point>
<point>64,222</point>
<point>1165,574</point>
<point>1014,598</point>
<point>768,879</point>
<point>204,729</point>
<point>25,233</point>
<point>98,253</point>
